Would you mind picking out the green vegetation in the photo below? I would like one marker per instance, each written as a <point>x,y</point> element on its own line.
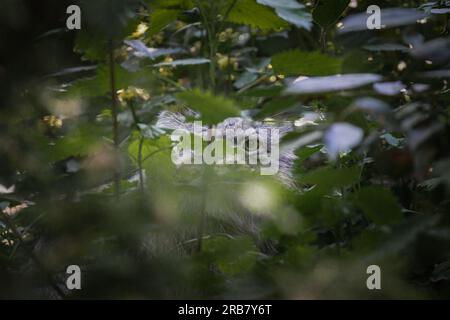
<point>86,176</point>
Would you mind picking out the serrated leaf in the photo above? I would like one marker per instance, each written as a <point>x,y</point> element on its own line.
<point>290,11</point>
<point>298,17</point>
<point>213,109</point>
<point>251,13</point>
<point>298,62</point>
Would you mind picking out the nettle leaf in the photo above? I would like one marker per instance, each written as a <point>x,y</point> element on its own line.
<point>298,17</point>
<point>251,13</point>
<point>327,12</point>
<point>298,62</point>
<point>290,11</point>
<point>213,109</point>
<point>379,205</point>
<point>305,85</point>
<point>342,137</point>
<point>390,18</point>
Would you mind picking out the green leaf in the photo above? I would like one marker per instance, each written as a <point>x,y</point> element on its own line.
<point>328,12</point>
<point>379,205</point>
<point>251,13</point>
<point>328,178</point>
<point>101,83</point>
<point>290,11</point>
<point>288,4</point>
<point>298,17</point>
<point>296,62</point>
<point>245,78</point>
<point>156,156</point>
<point>160,18</point>
<point>308,151</point>
<point>214,109</point>
<point>276,106</point>
<point>232,256</point>
<point>79,142</point>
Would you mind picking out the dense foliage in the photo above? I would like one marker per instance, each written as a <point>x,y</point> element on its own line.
<point>86,176</point>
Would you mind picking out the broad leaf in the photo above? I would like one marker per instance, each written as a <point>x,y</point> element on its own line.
<point>251,13</point>
<point>305,85</point>
<point>379,205</point>
<point>327,12</point>
<point>298,62</point>
<point>213,109</point>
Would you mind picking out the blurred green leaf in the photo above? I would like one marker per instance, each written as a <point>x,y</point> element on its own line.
<point>251,13</point>
<point>379,205</point>
<point>213,109</point>
<point>298,62</point>
<point>327,12</point>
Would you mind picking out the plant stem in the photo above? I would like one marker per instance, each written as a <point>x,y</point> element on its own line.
<point>114,119</point>
<point>206,176</point>
<point>211,34</point>
<point>141,171</point>
<point>323,40</point>
<point>141,144</point>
